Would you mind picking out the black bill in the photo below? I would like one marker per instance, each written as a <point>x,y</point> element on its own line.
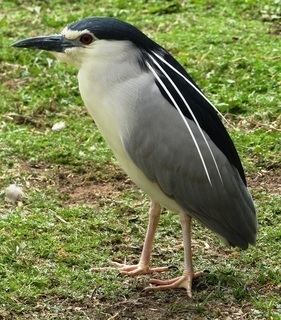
<point>55,43</point>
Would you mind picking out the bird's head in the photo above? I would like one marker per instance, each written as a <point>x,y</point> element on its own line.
<point>96,37</point>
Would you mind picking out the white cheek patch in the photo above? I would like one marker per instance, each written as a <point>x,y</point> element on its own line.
<point>73,34</point>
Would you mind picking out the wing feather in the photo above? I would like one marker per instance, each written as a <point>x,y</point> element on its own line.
<point>190,111</point>
<point>184,120</point>
<point>200,108</point>
<point>163,149</point>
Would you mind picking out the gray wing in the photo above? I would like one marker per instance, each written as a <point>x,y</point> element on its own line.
<point>161,146</point>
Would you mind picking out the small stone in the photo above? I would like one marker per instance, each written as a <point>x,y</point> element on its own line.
<point>13,193</point>
<point>58,126</point>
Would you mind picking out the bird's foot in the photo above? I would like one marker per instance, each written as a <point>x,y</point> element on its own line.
<point>184,281</point>
<point>137,269</point>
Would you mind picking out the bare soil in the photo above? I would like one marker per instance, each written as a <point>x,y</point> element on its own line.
<point>266,180</point>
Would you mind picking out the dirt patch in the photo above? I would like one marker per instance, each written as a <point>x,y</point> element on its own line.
<point>14,84</point>
<point>92,192</point>
<point>7,75</point>
<point>89,192</point>
<point>160,306</point>
<point>276,29</point>
<point>23,119</point>
<point>252,123</point>
<point>92,187</point>
<point>271,14</point>
<point>266,180</point>
<point>139,306</point>
<point>87,185</point>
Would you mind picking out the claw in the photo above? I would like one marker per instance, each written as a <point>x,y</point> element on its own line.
<point>137,269</point>
<point>184,281</point>
<point>132,270</point>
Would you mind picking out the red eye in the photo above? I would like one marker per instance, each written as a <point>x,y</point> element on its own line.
<point>86,38</point>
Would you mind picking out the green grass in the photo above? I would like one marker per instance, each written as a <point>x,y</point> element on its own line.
<point>80,211</point>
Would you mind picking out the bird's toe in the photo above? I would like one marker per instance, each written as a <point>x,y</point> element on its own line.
<point>137,269</point>
<point>184,281</point>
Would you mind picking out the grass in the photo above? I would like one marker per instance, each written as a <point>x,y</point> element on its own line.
<point>80,211</point>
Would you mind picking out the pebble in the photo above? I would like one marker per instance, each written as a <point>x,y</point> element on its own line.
<point>13,193</point>
<point>58,126</point>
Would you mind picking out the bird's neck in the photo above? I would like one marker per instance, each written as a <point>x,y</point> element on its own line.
<point>103,75</point>
<point>109,84</point>
<point>111,64</point>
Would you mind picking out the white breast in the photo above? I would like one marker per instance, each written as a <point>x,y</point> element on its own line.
<point>110,90</point>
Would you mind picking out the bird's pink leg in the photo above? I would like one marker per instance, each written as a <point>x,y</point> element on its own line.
<point>184,281</point>
<point>143,266</point>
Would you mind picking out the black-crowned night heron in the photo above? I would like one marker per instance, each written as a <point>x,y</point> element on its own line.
<point>164,132</point>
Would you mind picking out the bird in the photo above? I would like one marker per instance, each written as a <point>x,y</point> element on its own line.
<point>165,133</point>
